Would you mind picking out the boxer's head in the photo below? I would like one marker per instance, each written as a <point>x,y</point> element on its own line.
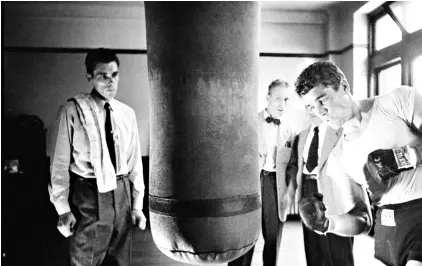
<point>325,91</point>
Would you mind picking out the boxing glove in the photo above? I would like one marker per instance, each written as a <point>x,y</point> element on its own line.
<point>312,211</point>
<point>384,164</point>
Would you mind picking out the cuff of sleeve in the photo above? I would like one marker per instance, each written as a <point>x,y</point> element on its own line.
<point>415,158</point>
<point>138,200</point>
<point>331,224</point>
<point>62,207</point>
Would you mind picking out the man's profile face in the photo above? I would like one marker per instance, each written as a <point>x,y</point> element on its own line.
<point>277,101</point>
<point>315,120</point>
<point>105,79</point>
<point>329,105</point>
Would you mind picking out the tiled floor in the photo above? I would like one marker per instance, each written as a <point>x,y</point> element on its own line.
<point>292,253</point>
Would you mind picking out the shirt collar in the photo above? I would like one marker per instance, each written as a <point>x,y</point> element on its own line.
<point>321,126</point>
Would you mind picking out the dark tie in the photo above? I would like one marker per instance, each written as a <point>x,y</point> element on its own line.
<point>109,135</point>
<point>272,120</point>
<point>312,160</point>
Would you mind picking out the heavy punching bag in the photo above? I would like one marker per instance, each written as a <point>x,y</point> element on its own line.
<point>204,189</point>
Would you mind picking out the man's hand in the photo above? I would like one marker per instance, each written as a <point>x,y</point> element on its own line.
<point>386,164</point>
<point>139,219</point>
<point>312,212</point>
<point>66,224</point>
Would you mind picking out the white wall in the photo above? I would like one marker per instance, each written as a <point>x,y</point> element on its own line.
<point>286,33</point>
<point>39,82</point>
<point>341,34</point>
<point>75,24</point>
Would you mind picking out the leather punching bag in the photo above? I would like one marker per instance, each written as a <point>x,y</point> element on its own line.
<point>204,200</point>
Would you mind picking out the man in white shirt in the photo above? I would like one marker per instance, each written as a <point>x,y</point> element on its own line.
<point>275,139</point>
<point>310,172</point>
<point>380,149</point>
<point>97,182</point>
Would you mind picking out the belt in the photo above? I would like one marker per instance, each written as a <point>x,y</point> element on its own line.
<point>305,176</point>
<point>94,180</point>
<point>264,172</point>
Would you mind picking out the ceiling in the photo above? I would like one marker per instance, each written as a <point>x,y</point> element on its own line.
<point>265,5</point>
<point>275,5</point>
<point>296,5</point>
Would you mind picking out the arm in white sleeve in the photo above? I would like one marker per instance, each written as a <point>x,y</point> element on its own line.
<point>136,175</point>
<point>60,161</point>
<point>416,118</point>
<point>355,222</point>
<point>352,223</point>
<point>406,103</point>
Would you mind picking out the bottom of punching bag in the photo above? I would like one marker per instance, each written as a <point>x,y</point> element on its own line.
<point>205,231</point>
<point>206,258</point>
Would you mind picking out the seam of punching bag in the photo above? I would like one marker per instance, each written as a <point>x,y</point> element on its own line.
<point>201,208</point>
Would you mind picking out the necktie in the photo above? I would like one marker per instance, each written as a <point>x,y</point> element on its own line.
<point>109,135</point>
<point>273,120</point>
<point>312,160</point>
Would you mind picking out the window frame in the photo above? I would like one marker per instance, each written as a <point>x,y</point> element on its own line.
<point>403,52</point>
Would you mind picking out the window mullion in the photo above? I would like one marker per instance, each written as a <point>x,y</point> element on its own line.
<point>386,55</point>
<point>393,16</point>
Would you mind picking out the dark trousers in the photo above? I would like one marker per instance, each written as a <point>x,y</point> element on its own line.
<point>102,233</point>
<point>398,242</point>
<point>272,228</point>
<point>328,250</point>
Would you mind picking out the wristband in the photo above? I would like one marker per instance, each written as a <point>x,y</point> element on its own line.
<point>331,224</point>
<point>413,156</point>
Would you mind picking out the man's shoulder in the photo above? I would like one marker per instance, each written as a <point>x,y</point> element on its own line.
<point>261,116</point>
<point>122,106</point>
<point>304,132</point>
<point>402,92</point>
<point>398,99</point>
<point>68,106</point>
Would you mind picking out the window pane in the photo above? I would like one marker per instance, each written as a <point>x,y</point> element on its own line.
<point>389,79</point>
<point>416,70</point>
<point>386,32</point>
<point>409,14</point>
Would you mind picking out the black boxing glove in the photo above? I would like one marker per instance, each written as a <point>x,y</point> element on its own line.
<point>385,164</point>
<point>312,211</point>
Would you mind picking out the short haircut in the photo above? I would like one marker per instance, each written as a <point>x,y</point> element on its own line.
<point>100,55</point>
<point>323,73</point>
<point>277,83</point>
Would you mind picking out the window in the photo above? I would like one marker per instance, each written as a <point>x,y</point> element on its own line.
<point>389,79</point>
<point>395,37</point>
<point>386,32</point>
<point>408,13</point>
<point>417,68</point>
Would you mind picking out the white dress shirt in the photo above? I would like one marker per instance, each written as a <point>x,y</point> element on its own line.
<point>71,151</point>
<point>389,124</point>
